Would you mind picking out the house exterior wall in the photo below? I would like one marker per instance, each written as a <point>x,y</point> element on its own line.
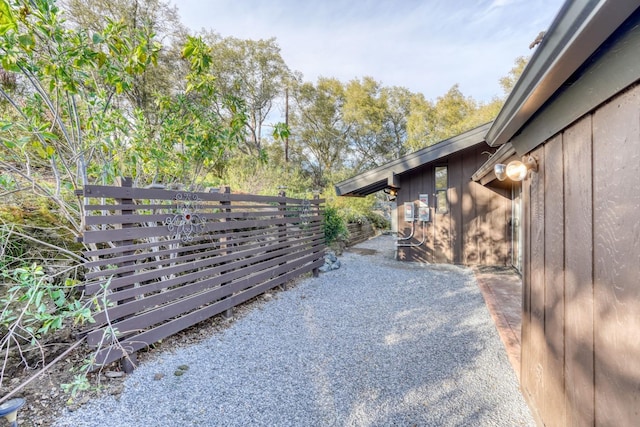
<point>476,228</point>
<point>581,279</point>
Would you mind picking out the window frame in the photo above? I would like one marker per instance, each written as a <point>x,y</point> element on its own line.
<point>441,193</point>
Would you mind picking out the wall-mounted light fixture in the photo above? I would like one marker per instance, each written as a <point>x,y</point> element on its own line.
<point>515,170</point>
<point>392,193</point>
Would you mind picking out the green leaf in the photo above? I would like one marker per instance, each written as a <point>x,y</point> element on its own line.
<point>7,20</point>
<point>50,136</point>
<point>27,41</point>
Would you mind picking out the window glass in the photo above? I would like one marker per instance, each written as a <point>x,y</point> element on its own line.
<point>442,183</point>
<point>441,178</point>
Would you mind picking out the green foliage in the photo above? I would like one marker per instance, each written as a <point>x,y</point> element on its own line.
<point>509,81</point>
<point>319,133</point>
<point>33,306</point>
<point>334,225</point>
<point>375,219</point>
<point>249,174</point>
<point>7,20</point>
<point>254,71</point>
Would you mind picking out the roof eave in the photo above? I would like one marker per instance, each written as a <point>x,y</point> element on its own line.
<point>575,34</point>
<point>384,176</point>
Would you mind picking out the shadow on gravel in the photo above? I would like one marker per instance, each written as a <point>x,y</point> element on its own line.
<point>375,343</point>
<point>436,360</point>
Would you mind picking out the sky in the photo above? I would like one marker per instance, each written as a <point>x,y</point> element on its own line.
<point>426,46</point>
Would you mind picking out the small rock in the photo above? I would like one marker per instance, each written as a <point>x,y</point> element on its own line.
<point>116,390</point>
<point>183,367</point>
<point>178,373</point>
<point>336,265</point>
<point>158,376</point>
<point>114,374</point>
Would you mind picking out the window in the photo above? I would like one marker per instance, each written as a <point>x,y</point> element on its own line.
<point>442,183</point>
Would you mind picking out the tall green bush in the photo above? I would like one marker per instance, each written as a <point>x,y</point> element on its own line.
<point>334,225</point>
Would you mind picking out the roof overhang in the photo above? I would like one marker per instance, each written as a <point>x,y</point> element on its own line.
<point>385,176</point>
<point>576,33</point>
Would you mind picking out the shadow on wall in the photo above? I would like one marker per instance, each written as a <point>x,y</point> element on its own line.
<point>587,333</point>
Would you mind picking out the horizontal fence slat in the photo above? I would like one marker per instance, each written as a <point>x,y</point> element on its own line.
<point>105,210</point>
<point>195,251</point>
<point>239,236</point>
<point>133,233</point>
<point>263,234</point>
<point>212,273</point>
<point>100,191</point>
<point>191,288</point>
<point>143,340</point>
<point>159,218</point>
<point>181,306</point>
<point>120,282</point>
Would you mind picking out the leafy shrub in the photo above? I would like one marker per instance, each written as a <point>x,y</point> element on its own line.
<point>334,225</point>
<point>378,221</point>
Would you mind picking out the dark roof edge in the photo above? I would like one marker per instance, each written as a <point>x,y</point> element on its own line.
<point>414,160</point>
<point>576,32</point>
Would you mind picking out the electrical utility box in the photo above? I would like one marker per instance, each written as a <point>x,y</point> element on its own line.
<point>423,208</point>
<point>408,211</point>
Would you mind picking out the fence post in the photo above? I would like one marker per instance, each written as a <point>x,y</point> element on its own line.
<point>282,228</point>
<point>129,362</point>
<point>316,198</point>
<point>223,240</point>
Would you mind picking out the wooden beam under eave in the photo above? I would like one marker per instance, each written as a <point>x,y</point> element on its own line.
<point>393,181</point>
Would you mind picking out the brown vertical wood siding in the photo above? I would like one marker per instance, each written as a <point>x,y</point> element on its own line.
<point>581,301</point>
<point>475,230</point>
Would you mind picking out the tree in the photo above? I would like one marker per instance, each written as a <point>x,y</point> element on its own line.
<point>421,115</point>
<point>364,113</point>
<point>400,106</point>
<point>319,130</point>
<point>199,126</point>
<point>65,117</point>
<point>509,81</point>
<point>252,71</point>
<point>158,19</point>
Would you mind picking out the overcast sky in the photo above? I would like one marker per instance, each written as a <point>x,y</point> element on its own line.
<point>426,46</point>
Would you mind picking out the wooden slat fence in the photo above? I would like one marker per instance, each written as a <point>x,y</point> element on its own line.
<point>162,261</point>
<point>359,232</point>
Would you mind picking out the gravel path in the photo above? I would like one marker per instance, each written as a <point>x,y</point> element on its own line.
<point>375,343</point>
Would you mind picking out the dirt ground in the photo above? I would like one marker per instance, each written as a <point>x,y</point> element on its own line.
<point>45,398</point>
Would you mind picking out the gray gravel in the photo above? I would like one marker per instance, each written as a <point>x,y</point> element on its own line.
<point>375,343</point>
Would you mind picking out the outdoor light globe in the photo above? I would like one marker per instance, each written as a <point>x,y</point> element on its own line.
<point>516,170</point>
<point>500,171</point>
